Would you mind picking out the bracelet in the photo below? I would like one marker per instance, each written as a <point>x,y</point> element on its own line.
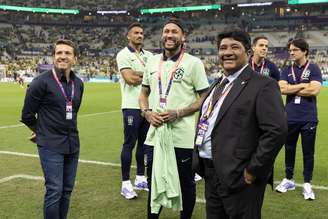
<point>178,114</point>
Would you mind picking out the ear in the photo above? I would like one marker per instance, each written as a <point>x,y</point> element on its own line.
<point>75,60</point>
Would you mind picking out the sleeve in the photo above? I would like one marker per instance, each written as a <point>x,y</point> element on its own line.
<point>272,123</point>
<point>284,74</point>
<point>146,78</point>
<point>81,94</point>
<point>122,61</point>
<point>316,74</point>
<point>275,72</point>
<point>33,99</point>
<point>199,77</point>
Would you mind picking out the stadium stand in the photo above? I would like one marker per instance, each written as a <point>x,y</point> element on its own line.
<point>26,39</point>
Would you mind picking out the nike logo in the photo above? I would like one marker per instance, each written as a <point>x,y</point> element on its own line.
<point>185,160</point>
<point>132,60</point>
<point>153,72</point>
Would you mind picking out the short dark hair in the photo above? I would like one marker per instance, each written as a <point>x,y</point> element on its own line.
<point>301,44</point>
<point>259,38</point>
<point>135,24</point>
<point>238,35</point>
<point>66,42</point>
<point>176,21</point>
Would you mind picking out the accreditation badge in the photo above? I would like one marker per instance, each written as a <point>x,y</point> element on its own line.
<point>202,128</point>
<point>297,100</point>
<point>162,102</point>
<point>69,111</point>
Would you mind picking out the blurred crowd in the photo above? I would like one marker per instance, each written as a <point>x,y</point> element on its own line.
<point>27,38</point>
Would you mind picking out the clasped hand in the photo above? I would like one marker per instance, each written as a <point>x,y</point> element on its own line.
<point>157,119</point>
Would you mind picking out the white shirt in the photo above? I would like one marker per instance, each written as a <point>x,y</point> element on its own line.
<point>205,150</point>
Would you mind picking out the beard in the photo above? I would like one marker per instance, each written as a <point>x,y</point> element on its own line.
<point>176,46</point>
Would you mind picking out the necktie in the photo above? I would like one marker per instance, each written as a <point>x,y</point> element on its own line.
<point>218,90</point>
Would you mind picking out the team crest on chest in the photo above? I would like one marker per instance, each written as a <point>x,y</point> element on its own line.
<point>306,75</point>
<point>179,74</point>
<point>266,71</point>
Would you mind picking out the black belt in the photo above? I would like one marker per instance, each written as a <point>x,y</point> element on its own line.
<point>207,162</point>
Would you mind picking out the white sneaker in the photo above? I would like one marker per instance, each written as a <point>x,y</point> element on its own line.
<point>197,177</point>
<point>308,192</point>
<point>127,190</point>
<point>140,183</point>
<point>285,185</point>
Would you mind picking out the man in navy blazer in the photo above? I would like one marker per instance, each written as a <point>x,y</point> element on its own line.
<point>241,129</point>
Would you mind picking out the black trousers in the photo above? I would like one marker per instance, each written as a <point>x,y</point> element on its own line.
<point>220,204</point>
<point>187,182</point>
<point>135,129</point>
<point>307,130</point>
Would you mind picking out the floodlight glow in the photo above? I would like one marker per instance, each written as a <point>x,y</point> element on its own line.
<point>112,12</point>
<point>39,10</point>
<point>296,2</point>
<point>254,4</point>
<point>180,9</point>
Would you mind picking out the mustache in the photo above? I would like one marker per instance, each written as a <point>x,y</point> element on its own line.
<point>170,38</point>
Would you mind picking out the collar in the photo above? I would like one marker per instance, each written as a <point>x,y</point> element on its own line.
<point>61,75</point>
<point>235,75</point>
<point>251,61</point>
<point>133,50</point>
<point>173,58</point>
<point>301,66</point>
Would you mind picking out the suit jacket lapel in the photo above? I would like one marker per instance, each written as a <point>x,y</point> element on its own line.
<point>238,85</point>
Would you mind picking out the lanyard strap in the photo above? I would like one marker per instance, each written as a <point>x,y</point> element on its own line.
<point>304,70</point>
<point>171,73</point>
<point>211,104</point>
<point>139,58</point>
<point>262,66</point>
<point>62,88</point>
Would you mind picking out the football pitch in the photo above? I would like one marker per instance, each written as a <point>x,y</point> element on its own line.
<point>98,181</point>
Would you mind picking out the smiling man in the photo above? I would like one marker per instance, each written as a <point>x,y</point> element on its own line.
<point>131,62</point>
<point>259,61</point>
<point>55,97</point>
<point>301,83</point>
<point>240,130</point>
<point>172,84</point>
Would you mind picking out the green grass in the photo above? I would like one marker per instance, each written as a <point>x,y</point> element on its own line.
<point>96,194</point>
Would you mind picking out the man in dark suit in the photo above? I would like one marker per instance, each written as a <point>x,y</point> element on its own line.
<point>241,128</point>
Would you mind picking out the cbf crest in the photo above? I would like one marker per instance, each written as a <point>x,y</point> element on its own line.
<point>266,72</point>
<point>179,74</point>
<point>130,120</point>
<point>306,75</point>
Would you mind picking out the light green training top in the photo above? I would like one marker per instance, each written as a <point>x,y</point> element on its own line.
<point>128,59</point>
<point>189,78</point>
<point>165,183</point>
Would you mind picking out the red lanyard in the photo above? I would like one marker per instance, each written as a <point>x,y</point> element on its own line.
<point>62,88</point>
<point>211,105</point>
<point>262,67</point>
<point>302,75</point>
<point>171,73</point>
<point>140,59</point>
